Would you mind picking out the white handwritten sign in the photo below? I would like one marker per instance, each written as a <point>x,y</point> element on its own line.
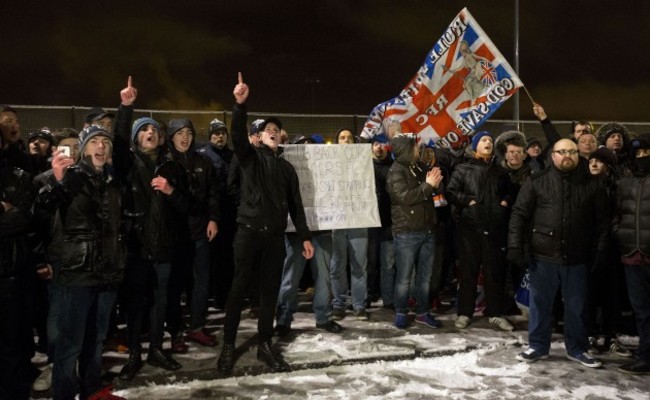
<point>337,185</point>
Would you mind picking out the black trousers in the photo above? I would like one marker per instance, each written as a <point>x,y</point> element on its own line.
<point>259,258</point>
<point>478,249</point>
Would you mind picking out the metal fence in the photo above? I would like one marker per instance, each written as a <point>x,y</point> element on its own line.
<point>35,117</point>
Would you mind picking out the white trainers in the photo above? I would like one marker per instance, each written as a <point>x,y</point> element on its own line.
<point>44,381</point>
<point>462,321</point>
<point>501,323</point>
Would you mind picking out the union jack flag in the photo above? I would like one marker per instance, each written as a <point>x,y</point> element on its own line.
<point>464,79</point>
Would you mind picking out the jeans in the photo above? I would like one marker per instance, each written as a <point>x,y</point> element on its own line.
<point>83,323</point>
<point>413,250</point>
<point>638,286</point>
<point>259,259</point>
<point>545,278</point>
<point>387,272</point>
<point>352,242</point>
<point>201,284</point>
<point>294,266</point>
<point>53,313</point>
<point>145,289</point>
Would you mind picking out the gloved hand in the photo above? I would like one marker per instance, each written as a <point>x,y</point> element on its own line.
<point>515,256</point>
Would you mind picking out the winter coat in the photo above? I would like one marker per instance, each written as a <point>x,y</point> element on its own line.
<point>221,159</point>
<point>269,185</point>
<point>16,189</point>
<point>632,217</point>
<point>488,184</point>
<point>564,217</point>
<point>86,236</point>
<point>381,168</point>
<point>412,207</point>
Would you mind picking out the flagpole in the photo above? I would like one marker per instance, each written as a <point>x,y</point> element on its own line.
<point>516,109</point>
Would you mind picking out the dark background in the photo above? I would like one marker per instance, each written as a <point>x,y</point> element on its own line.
<point>580,59</point>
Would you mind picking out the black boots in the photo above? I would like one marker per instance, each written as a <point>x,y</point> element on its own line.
<point>274,361</point>
<point>226,359</point>
<point>157,358</point>
<point>132,366</point>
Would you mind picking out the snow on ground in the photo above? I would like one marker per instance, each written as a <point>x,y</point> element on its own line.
<point>374,360</point>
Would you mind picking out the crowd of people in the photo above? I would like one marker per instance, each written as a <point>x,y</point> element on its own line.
<point>125,219</point>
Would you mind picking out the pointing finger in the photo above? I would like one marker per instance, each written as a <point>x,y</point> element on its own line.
<point>240,77</point>
<point>129,82</point>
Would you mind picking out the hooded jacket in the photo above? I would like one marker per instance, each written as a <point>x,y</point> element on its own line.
<point>412,207</point>
<point>269,185</point>
<point>632,218</point>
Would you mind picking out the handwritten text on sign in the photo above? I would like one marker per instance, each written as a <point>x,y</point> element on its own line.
<point>337,185</point>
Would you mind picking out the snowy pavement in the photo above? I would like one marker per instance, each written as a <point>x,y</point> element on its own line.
<point>374,360</point>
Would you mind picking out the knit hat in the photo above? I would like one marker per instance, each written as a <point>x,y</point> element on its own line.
<point>41,134</point>
<point>477,138</point>
<point>609,129</point>
<point>502,141</point>
<point>606,156</point>
<point>217,125</point>
<point>90,132</point>
<point>533,142</point>
<point>139,124</point>
<point>255,127</point>
<point>641,142</point>
<point>97,113</point>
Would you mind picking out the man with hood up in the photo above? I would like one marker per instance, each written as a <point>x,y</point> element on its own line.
<point>192,255</point>
<point>616,137</point>
<point>414,217</point>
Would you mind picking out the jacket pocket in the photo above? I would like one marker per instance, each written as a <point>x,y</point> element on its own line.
<point>78,255</point>
<point>542,240</point>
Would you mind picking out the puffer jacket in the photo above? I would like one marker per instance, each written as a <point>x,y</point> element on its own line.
<point>86,236</point>
<point>412,206</point>
<point>632,218</point>
<point>269,185</point>
<point>564,216</point>
<point>487,183</point>
<point>16,189</point>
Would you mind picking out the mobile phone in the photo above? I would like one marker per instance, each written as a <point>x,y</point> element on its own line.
<point>65,150</point>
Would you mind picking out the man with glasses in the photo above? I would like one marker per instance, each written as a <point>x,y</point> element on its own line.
<point>563,214</point>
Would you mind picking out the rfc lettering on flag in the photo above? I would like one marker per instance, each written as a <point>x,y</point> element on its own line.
<point>462,82</point>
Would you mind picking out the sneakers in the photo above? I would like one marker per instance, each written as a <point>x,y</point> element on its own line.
<point>105,394</point>
<point>620,350</point>
<point>530,356</point>
<point>338,314</point>
<point>361,314</point>
<point>401,321</point>
<point>501,323</point>
<point>428,320</point>
<point>462,321</point>
<point>44,380</point>
<point>638,367</point>
<point>593,346</point>
<point>179,346</point>
<point>201,338</point>
<point>586,359</point>
<point>330,326</point>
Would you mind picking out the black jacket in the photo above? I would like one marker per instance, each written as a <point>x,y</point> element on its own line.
<point>632,217</point>
<point>487,183</point>
<point>381,168</point>
<point>564,217</point>
<point>269,184</point>
<point>412,207</point>
<point>156,221</point>
<point>16,189</point>
<point>86,230</point>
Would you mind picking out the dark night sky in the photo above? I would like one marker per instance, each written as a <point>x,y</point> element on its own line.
<point>580,59</point>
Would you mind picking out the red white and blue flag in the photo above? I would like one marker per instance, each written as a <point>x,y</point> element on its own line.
<point>464,80</point>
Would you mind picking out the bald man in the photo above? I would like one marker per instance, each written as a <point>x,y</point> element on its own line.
<point>562,214</point>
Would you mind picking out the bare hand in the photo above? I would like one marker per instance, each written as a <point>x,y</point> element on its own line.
<point>539,112</point>
<point>308,250</point>
<point>434,177</point>
<point>6,205</point>
<point>472,202</point>
<point>60,163</point>
<point>129,93</point>
<point>212,230</point>
<point>504,203</point>
<point>45,272</point>
<point>159,183</point>
<point>241,90</point>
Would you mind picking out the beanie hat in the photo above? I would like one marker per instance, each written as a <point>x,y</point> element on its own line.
<point>255,127</point>
<point>42,134</point>
<point>641,142</point>
<point>606,156</point>
<point>216,125</point>
<point>533,142</point>
<point>607,130</point>
<point>477,138</point>
<point>139,124</point>
<point>502,141</point>
<point>271,120</point>
<point>90,132</point>
<point>97,113</point>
